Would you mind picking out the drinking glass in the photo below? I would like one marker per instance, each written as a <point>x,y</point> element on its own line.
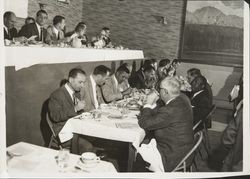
<point>63,159</point>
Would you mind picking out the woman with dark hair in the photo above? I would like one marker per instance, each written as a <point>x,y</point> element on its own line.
<point>29,20</point>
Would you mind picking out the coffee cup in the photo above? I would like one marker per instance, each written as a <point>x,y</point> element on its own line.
<point>89,157</point>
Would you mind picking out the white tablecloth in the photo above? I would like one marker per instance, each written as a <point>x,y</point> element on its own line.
<point>40,161</point>
<point>126,129</point>
<point>22,57</point>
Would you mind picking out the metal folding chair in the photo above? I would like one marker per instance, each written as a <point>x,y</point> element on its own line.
<point>183,166</point>
<point>206,141</point>
<point>53,140</point>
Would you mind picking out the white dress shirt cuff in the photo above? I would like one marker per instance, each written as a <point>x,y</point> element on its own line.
<point>149,106</point>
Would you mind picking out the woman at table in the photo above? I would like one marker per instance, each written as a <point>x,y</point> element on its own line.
<point>79,38</point>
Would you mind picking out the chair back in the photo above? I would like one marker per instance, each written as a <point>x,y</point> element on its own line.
<point>206,118</point>
<point>197,141</point>
<point>211,112</point>
<point>50,124</point>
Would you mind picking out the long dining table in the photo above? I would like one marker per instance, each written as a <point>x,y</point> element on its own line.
<point>109,126</point>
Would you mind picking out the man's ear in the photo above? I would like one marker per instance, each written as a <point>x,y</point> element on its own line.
<point>70,79</point>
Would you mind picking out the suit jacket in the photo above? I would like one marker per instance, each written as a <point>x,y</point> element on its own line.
<point>232,139</point>
<point>172,126</point>
<point>51,37</point>
<point>209,92</point>
<point>110,91</point>
<point>202,106</point>
<point>11,35</point>
<point>137,80</point>
<point>61,108</point>
<point>30,30</point>
<point>87,95</point>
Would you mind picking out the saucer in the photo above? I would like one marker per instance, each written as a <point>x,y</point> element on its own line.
<point>83,165</point>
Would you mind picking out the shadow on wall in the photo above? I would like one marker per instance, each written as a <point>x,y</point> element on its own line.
<point>231,80</point>
<point>44,127</point>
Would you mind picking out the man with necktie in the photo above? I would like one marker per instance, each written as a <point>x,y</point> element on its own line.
<point>36,29</point>
<point>9,21</point>
<point>10,32</point>
<point>91,92</point>
<point>65,103</point>
<point>55,32</point>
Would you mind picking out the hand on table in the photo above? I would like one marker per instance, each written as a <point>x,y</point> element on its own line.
<point>152,97</point>
<point>80,105</point>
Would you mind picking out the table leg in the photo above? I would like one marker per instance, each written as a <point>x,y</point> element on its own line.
<point>131,157</point>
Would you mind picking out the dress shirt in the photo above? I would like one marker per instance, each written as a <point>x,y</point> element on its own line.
<point>56,32</point>
<point>115,80</point>
<point>70,91</point>
<point>93,83</point>
<point>6,29</point>
<point>39,29</point>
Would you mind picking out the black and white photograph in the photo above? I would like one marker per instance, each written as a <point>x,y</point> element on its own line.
<point>124,88</point>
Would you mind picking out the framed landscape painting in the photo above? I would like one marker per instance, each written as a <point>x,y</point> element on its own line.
<point>213,33</point>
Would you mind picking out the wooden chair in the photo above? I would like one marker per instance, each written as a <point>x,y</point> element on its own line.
<point>53,139</point>
<point>206,141</point>
<point>183,166</point>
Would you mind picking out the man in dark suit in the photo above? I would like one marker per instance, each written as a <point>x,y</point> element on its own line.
<point>170,124</point>
<point>65,103</point>
<point>9,21</point>
<point>200,100</point>
<point>36,29</point>
<point>91,92</point>
<point>10,32</point>
<point>144,78</point>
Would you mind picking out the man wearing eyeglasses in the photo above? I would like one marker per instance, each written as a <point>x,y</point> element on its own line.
<point>170,124</point>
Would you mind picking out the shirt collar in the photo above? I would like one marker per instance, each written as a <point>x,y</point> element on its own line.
<point>55,30</point>
<point>170,100</point>
<point>195,94</point>
<point>38,26</point>
<point>92,80</point>
<point>70,90</point>
<point>5,28</point>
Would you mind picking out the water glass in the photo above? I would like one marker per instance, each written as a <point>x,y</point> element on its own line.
<point>63,159</point>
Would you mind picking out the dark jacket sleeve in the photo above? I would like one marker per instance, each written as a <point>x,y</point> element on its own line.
<point>58,111</point>
<point>24,32</point>
<point>152,120</point>
<point>201,109</point>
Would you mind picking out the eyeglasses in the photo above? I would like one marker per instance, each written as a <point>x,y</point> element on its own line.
<point>164,89</point>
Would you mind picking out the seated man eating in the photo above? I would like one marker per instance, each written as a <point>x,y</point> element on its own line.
<point>111,91</point>
<point>170,125</point>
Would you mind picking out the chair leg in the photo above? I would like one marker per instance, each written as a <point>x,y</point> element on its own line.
<point>206,143</point>
<point>50,142</point>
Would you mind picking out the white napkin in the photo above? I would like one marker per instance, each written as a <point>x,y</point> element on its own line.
<point>151,154</point>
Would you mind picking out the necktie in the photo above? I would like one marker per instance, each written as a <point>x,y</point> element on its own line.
<point>9,35</point>
<point>74,99</point>
<point>41,34</point>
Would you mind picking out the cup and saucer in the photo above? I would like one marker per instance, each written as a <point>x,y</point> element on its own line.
<point>88,160</point>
